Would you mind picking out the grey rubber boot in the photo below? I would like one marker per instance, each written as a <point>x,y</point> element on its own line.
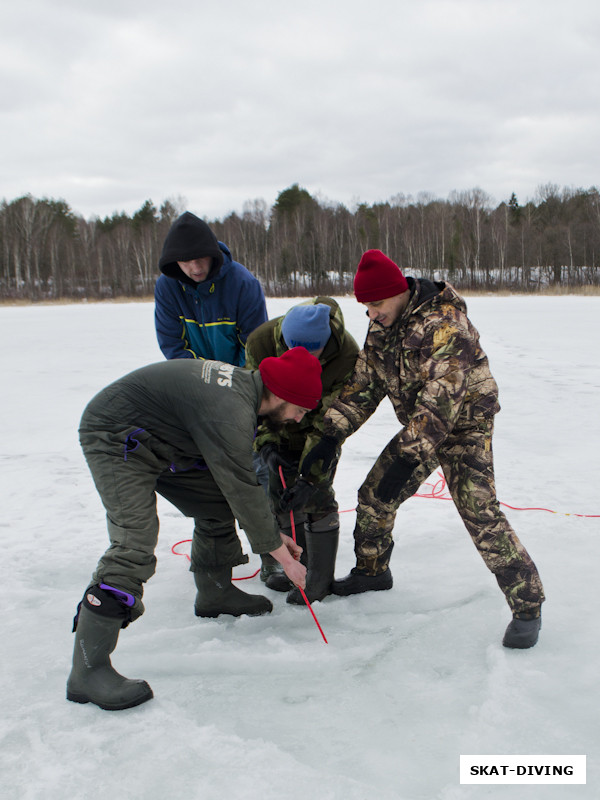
<point>92,678</point>
<point>522,633</point>
<point>280,582</point>
<point>321,544</point>
<point>217,595</point>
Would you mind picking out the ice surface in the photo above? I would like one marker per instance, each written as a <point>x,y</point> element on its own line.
<point>263,708</point>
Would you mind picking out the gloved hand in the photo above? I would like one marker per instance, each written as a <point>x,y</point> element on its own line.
<point>273,458</point>
<point>394,479</point>
<point>297,496</point>
<point>325,450</point>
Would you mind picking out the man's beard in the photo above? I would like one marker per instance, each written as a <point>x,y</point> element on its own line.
<point>275,421</point>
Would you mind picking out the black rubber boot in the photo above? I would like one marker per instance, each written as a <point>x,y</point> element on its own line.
<point>92,678</point>
<point>322,549</point>
<point>217,595</point>
<point>280,581</point>
<point>522,633</point>
<point>357,582</point>
<point>269,567</point>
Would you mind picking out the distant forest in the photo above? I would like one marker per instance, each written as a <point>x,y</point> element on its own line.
<point>302,246</point>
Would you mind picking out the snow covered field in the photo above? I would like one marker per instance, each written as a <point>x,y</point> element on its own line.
<point>262,708</point>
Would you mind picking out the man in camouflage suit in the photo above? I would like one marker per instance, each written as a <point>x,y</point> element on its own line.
<point>317,325</point>
<point>422,352</point>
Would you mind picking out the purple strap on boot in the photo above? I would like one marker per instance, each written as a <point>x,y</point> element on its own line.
<point>123,597</point>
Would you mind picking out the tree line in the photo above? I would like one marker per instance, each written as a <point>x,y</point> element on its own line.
<point>304,246</point>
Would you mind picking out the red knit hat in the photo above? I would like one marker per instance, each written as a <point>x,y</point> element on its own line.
<point>377,278</point>
<point>294,376</point>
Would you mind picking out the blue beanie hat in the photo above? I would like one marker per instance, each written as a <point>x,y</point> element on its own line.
<point>307,326</point>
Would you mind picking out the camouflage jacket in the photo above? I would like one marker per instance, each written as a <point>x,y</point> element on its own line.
<point>430,365</point>
<point>337,361</point>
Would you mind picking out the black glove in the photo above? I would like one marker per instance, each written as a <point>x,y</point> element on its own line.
<point>394,479</point>
<point>273,458</point>
<point>325,450</point>
<point>297,496</point>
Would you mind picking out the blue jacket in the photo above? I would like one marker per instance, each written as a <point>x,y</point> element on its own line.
<point>211,319</point>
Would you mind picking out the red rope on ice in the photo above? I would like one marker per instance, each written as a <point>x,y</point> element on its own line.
<point>438,492</point>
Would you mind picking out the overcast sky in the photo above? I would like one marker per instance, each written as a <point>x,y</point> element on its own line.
<point>107,104</point>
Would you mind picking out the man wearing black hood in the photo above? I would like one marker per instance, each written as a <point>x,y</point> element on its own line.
<point>206,303</point>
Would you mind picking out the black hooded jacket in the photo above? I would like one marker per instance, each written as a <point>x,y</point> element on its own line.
<point>212,318</point>
<point>189,238</point>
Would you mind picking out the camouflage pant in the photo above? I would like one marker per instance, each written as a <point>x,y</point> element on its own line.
<point>321,504</point>
<point>466,459</point>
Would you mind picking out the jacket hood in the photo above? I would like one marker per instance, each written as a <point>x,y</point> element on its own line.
<point>424,292</point>
<point>189,237</point>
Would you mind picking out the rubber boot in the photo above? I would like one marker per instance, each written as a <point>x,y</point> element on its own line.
<point>270,567</point>
<point>280,582</point>
<point>92,678</point>
<point>322,544</point>
<point>217,595</point>
<point>357,582</point>
<point>522,633</point>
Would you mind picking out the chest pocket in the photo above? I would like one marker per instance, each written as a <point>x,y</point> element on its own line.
<point>409,370</point>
